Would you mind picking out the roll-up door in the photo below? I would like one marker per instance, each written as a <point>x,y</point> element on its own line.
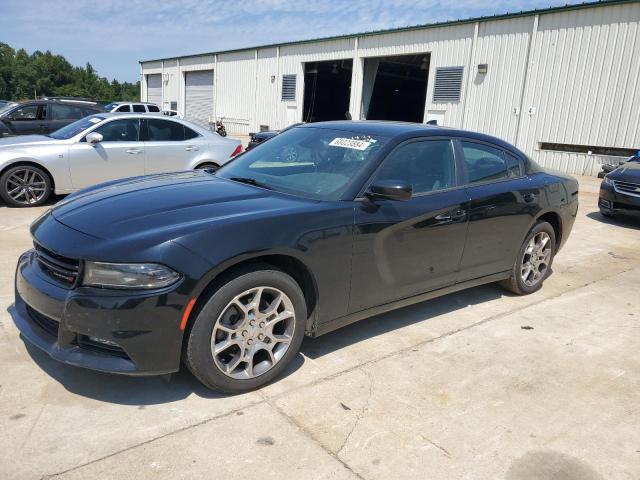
<point>154,89</point>
<point>199,96</point>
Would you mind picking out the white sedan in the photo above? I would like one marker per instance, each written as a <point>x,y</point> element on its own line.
<point>104,147</point>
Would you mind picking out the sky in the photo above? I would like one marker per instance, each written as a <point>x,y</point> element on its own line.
<point>114,35</point>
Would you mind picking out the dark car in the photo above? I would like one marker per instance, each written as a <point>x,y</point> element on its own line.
<point>43,116</point>
<point>258,138</point>
<point>620,190</point>
<point>229,271</point>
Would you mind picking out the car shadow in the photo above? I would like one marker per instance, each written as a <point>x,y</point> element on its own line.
<point>625,221</point>
<point>140,390</point>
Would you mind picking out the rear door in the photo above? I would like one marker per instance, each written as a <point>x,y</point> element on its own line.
<point>405,248</point>
<point>120,154</point>
<point>166,147</point>
<point>503,202</point>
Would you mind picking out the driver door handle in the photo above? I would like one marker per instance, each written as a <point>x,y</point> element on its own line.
<point>134,151</point>
<point>451,216</point>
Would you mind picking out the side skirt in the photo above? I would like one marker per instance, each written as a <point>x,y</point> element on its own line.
<point>405,302</point>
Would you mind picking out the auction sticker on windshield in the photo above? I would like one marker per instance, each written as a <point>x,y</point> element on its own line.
<point>350,143</point>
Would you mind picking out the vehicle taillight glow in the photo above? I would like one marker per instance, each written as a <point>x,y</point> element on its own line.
<point>237,151</point>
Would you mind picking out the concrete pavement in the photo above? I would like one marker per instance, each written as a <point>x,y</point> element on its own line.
<point>475,385</point>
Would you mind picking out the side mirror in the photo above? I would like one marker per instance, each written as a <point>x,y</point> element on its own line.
<point>398,190</point>
<point>94,138</point>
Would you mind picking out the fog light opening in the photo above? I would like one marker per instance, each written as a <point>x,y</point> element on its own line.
<point>108,343</point>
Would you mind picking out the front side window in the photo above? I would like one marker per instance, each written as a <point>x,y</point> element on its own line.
<point>318,163</point>
<point>164,131</point>
<point>26,113</point>
<point>125,130</point>
<point>139,108</point>
<point>65,112</point>
<point>484,163</point>
<point>426,165</point>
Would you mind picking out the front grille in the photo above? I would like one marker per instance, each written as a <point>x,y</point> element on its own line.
<point>625,206</point>
<point>48,324</point>
<point>89,344</point>
<point>627,187</point>
<point>63,269</point>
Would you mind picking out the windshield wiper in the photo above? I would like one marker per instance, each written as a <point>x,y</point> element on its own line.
<point>250,181</point>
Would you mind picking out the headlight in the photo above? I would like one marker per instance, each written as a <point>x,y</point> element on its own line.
<point>607,180</point>
<point>128,275</point>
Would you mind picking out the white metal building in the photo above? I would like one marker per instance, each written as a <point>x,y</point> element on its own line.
<point>563,84</point>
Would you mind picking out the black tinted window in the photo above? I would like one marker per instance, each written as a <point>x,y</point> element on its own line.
<point>513,165</point>
<point>427,165</point>
<point>164,131</point>
<point>484,163</point>
<point>65,112</point>
<point>123,108</point>
<point>153,108</point>
<point>189,134</point>
<point>139,108</point>
<point>28,112</point>
<point>125,130</point>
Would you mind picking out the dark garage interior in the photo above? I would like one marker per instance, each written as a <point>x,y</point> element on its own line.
<point>327,90</point>
<point>395,87</point>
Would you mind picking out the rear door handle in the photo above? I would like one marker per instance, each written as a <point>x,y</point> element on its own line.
<point>191,148</point>
<point>134,151</point>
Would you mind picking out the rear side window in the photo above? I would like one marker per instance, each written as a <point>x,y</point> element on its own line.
<point>164,131</point>
<point>485,163</point>
<point>123,108</point>
<point>139,108</point>
<point>153,108</point>
<point>427,165</point>
<point>65,112</point>
<point>189,134</point>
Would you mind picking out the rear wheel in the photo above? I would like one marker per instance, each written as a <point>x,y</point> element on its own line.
<point>533,264</point>
<point>248,331</point>
<point>25,186</point>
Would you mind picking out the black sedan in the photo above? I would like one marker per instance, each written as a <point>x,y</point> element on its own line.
<point>620,191</point>
<point>229,271</point>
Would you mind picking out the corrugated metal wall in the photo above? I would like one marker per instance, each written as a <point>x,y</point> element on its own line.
<point>564,77</point>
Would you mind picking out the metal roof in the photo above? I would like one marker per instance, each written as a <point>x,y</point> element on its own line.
<point>501,16</point>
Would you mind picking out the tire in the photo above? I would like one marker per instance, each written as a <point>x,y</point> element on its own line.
<point>605,213</point>
<point>34,184</point>
<point>220,322</point>
<point>539,269</point>
<point>208,167</point>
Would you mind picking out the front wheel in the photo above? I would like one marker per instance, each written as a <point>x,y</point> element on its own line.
<point>247,331</point>
<point>533,264</point>
<point>208,167</point>
<point>25,186</point>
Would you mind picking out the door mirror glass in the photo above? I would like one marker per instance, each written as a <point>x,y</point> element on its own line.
<point>397,190</point>
<point>94,138</point>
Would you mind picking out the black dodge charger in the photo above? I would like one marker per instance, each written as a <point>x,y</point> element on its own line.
<point>323,225</point>
<point>620,191</point>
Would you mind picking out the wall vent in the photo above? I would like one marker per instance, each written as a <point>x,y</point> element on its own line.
<point>288,88</point>
<point>448,86</point>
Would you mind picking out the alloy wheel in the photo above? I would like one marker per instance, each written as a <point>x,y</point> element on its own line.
<point>536,259</point>
<point>253,333</point>
<point>26,186</point>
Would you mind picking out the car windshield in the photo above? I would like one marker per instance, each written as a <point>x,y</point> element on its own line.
<point>76,127</point>
<point>7,107</point>
<point>316,163</point>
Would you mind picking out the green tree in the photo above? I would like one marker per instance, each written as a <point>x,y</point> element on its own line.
<point>23,76</point>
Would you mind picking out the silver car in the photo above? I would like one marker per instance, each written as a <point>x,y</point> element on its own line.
<point>104,147</point>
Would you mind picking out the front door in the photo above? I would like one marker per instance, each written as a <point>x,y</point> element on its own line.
<point>27,119</point>
<point>120,154</point>
<point>402,249</point>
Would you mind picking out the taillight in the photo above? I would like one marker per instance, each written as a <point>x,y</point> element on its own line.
<point>237,151</point>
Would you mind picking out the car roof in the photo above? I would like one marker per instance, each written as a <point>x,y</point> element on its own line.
<point>393,129</point>
<point>158,115</point>
<point>131,103</point>
<point>79,103</point>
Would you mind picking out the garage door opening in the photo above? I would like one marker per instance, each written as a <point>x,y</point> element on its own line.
<point>395,88</point>
<point>327,90</point>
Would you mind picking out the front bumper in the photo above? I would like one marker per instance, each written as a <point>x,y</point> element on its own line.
<point>110,331</point>
<point>610,201</point>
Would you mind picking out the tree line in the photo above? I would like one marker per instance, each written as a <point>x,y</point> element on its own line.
<point>24,76</point>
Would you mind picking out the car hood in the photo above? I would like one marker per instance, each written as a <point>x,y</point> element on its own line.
<point>27,141</point>
<point>627,172</point>
<point>166,206</point>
